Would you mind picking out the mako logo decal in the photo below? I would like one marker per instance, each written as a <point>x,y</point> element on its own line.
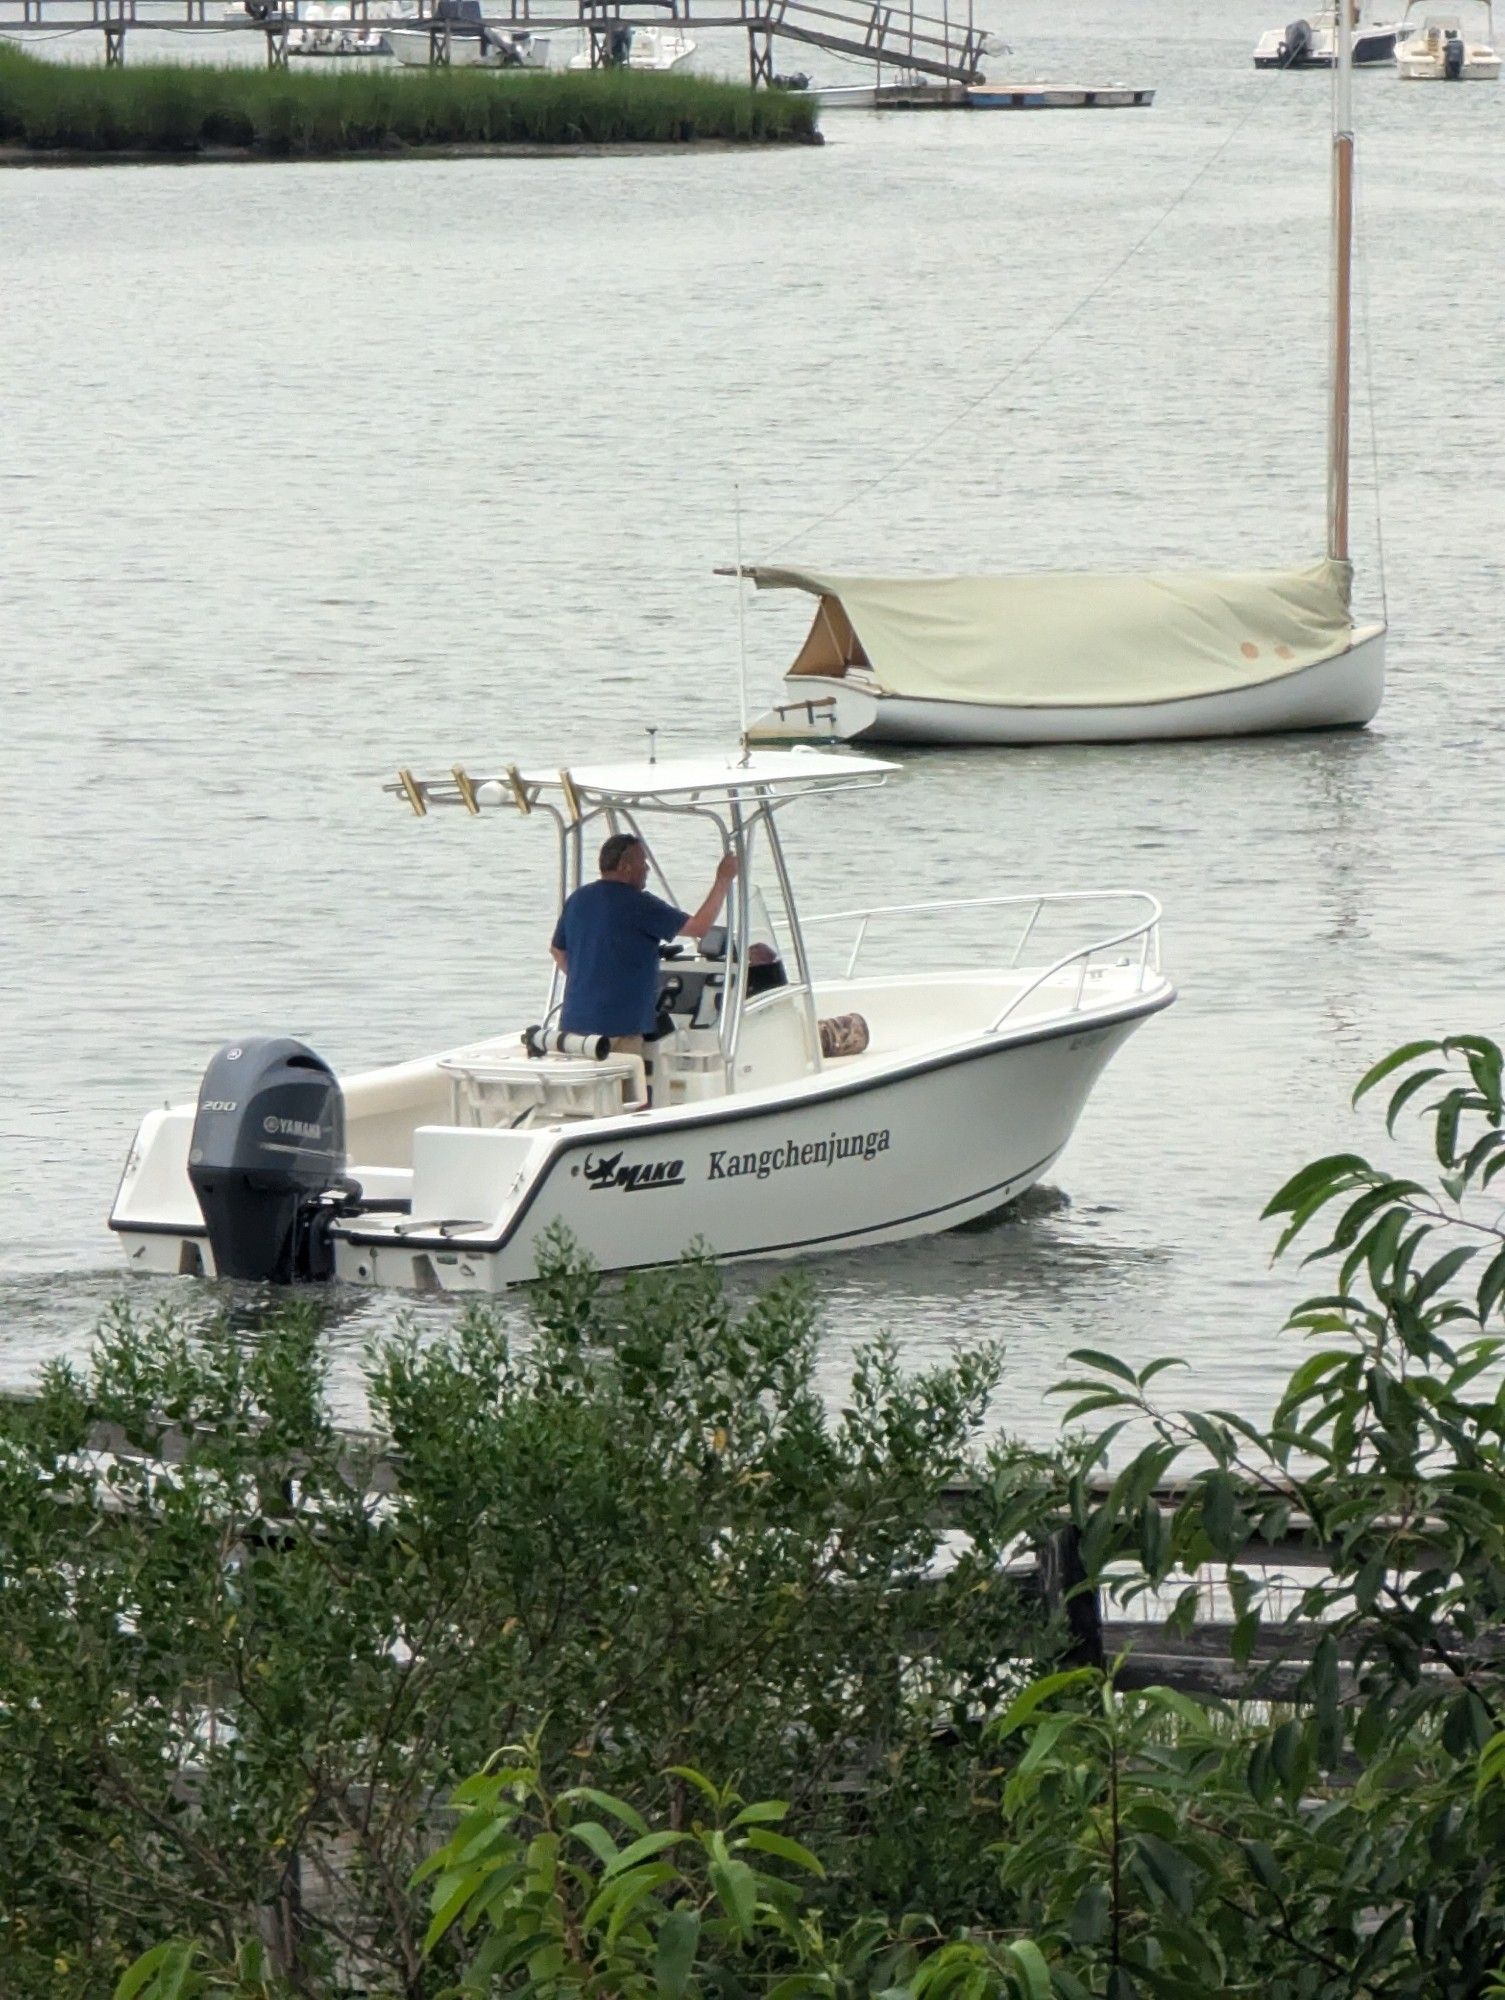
<point>637,1177</point>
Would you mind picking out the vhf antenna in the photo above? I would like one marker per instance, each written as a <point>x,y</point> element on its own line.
<point>741,625</point>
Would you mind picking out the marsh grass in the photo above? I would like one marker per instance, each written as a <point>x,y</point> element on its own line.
<point>173,109</point>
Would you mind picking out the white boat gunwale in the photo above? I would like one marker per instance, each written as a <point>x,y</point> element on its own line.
<point>750,1105</point>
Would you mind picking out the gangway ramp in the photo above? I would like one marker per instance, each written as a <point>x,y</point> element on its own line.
<point>868,31</point>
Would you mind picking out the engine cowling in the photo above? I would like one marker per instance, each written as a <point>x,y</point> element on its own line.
<point>1297,45</point>
<point>267,1159</point>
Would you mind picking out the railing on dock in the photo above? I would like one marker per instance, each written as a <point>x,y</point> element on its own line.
<point>1202,1658</point>
<point>891,36</point>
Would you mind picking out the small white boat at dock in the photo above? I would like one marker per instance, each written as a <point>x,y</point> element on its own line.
<point>1441,52</point>
<point>1313,44</point>
<point>752,1136</point>
<point>630,45</point>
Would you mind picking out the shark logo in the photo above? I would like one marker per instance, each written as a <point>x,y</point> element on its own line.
<point>635,1178</point>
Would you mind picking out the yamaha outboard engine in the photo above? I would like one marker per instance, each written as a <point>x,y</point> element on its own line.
<point>1452,58</point>
<point>1297,45</point>
<point>267,1159</point>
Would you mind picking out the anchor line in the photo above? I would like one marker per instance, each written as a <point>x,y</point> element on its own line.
<point>1031,354</point>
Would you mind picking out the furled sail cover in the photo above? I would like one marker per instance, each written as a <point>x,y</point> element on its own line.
<point>1062,639</point>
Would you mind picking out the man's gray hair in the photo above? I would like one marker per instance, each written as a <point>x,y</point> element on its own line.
<point>615,851</point>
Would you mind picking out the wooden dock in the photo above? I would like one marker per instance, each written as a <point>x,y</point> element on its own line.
<point>1202,1660</point>
<point>898,39</point>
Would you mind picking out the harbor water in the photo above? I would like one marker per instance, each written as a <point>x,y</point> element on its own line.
<point>313,470</point>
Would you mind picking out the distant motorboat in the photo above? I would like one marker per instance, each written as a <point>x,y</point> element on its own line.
<point>1313,44</point>
<point>456,35</point>
<point>327,28</point>
<point>628,46</point>
<point>1442,53</point>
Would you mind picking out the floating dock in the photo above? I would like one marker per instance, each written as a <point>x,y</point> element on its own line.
<point>921,94</point>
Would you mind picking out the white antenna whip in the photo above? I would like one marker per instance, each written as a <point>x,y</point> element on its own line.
<point>741,625</point>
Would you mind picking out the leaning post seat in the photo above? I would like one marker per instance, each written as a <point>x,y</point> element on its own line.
<point>508,1087</point>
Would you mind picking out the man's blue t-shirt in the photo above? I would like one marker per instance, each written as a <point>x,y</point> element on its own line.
<point>610,933</point>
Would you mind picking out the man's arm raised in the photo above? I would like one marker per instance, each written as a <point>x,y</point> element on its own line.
<point>710,909</point>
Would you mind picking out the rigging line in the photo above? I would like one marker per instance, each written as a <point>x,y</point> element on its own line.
<point>1362,234</point>
<point>975,403</point>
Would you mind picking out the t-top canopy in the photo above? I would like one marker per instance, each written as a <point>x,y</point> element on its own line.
<point>1063,639</point>
<point>778,771</point>
<point>769,773</point>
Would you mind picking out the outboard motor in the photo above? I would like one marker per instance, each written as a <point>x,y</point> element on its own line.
<point>1297,45</point>
<point>267,1160</point>
<point>1452,58</point>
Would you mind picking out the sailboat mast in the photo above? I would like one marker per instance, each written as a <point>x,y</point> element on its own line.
<point>1342,314</point>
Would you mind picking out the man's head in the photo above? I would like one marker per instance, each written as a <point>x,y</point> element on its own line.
<point>624,859</point>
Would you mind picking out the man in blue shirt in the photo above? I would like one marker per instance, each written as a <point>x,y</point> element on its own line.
<point>607,938</point>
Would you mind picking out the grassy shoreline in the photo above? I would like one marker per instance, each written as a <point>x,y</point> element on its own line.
<point>165,111</point>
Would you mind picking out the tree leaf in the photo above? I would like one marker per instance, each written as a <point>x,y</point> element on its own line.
<point>593,1835</point>
<point>736,1890</point>
<point>161,1958</point>
<point>1107,1364</point>
<point>786,1850</point>
<point>766,1812</point>
<point>674,1955</point>
<point>1387,1065</point>
<point>618,1808</point>
<point>1029,1961</point>
<point>640,1850</point>
<point>1024,1704</point>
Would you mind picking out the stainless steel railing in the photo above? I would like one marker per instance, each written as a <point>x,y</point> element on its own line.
<point>1144,933</point>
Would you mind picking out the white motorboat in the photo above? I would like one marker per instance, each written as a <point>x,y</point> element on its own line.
<point>1313,44</point>
<point>329,28</point>
<point>1102,658</point>
<point>456,36</point>
<point>1443,53</point>
<point>746,1137</point>
<point>630,45</point>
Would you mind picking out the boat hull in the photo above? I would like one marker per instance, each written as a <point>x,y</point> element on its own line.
<point>1424,68</point>
<point>895,1157</point>
<point>1372,47</point>
<point>1341,693</point>
<point>906,1149</point>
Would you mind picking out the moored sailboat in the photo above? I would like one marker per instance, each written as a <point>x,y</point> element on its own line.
<point>1078,657</point>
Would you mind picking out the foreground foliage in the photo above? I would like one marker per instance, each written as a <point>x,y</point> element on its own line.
<point>186,108</point>
<point>234,1692</point>
<point>647,1553</point>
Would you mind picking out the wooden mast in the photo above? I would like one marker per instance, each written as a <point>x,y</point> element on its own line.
<point>1338,419</point>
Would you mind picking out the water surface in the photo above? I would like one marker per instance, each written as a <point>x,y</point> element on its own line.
<point>311,470</point>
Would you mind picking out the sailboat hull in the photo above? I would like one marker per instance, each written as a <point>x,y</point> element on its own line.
<point>1341,693</point>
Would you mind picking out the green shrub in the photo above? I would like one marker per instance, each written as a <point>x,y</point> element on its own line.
<point>173,109</point>
<point>640,1536</point>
